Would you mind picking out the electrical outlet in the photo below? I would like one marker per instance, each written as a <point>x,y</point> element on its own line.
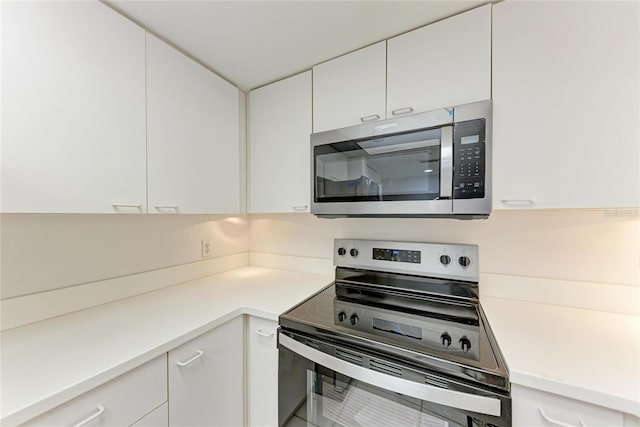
<point>206,248</point>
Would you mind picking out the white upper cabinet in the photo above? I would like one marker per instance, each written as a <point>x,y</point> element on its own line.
<point>351,89</point>
<point>192,135</point>
<point>279,146</point>
<point>73,109</point>
<point>566,80</point>
<point>444,64</point>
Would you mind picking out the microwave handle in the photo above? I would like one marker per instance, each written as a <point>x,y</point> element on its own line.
<point>456,399</point>
<point>446,162</point>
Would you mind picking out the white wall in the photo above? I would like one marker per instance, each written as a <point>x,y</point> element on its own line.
<point>40,252</point>
<point>599,246</point>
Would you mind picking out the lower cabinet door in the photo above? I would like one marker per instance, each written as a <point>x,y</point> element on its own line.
<point>159,417</point>
<point>206,381</point>
<point>119,402</point>
<point>263,372</point>
<point>538,408</point>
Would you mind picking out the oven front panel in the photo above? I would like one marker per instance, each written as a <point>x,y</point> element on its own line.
<point>320,389</point>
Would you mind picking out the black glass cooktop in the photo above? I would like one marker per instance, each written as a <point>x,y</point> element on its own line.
<point>447,335</point>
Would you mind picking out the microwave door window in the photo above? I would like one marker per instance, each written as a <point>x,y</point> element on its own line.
<point>393,168</point>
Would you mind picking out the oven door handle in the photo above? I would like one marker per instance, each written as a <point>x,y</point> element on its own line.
<point>455,399</point>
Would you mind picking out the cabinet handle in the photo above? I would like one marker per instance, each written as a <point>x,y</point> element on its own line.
<point>99,411</point>
<point>401,111</point>
<point>559,423</point>
<point>126,205</point>
<point>301,208</point>
<point>262,333</point>
<point>370,118</point>
<point>158,207</point>
<point>519,202</point>
<point>198,355</point>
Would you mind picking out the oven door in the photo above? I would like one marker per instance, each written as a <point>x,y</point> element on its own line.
<point>325,384</point>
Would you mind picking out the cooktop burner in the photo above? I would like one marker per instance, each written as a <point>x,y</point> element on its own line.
<point>414,301</point>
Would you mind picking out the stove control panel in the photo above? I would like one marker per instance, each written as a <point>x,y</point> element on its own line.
<point>447,261</point>
<point>412,330</point>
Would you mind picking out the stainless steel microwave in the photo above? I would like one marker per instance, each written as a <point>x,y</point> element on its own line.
<point>436,163</point>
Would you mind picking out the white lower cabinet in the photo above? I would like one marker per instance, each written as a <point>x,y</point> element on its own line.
<point>159,417</point>
<point>537,408</point>
<point>206,378</point>
<point>120,402</point>
<point>263,372</point>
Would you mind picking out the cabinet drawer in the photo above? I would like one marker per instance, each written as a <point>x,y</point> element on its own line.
<point>120,402</point>
<point>538,408</point>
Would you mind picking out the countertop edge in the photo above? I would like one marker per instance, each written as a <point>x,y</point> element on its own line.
<point>571,391</point>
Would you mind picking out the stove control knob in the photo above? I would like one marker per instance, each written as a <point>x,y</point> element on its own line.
<point>445,259</point>
<point>342,316</point>
<point>445,339</point>
<point>465,344</point>
<point>464,261</point>
<point>354,319</point>
<point>354,252</point>
<point>342,251</point>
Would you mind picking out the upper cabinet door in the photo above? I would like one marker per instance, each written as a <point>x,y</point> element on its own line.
<point>192,135</point>
<point>351,89</point>
<point>566,80</point>
<point>73,109</point>
<point>279,146</point>
<point>444,64</point>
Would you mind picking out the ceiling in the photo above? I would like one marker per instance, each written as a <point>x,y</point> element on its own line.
<point>252,43</point>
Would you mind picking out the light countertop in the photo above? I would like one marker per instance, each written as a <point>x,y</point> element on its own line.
<point>593,356</point>
<point>47,363</point>
<point>586,355</point>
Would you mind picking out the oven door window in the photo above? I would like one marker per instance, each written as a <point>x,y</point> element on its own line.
<point>335,400</point>
<point>399,167</point>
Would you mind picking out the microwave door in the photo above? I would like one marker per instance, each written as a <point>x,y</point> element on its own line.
<point>398,174</point>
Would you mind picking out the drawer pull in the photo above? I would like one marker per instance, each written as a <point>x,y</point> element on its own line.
<point>519,202</point>
<point>370,118</point>
<point>198,355</point>
<point>126,205</point>
<point>560,423</point>
<point>301,208</point>
<point>263,333</point>
<point>401,111</point>
<point>99,411</point>
<point>159,207</point>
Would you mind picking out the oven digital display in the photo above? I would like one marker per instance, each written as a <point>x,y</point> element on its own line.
<point>397,328</point>
<point>397,255</point>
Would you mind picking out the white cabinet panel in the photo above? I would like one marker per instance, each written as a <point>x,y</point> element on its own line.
<point>120,402</point>
<point>193,135</point>
<point>279,146</point>
<point>159,417</point>
<point>566,104</point>
<point>441,65</point>
<point>351,89</point>
<point>263,372</point>
<point>206,381</point>
<point>536,408</point>
<point>73,109</point>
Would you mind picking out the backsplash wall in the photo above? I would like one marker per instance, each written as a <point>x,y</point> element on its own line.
<point>600,246</point>
<point>41,252</point>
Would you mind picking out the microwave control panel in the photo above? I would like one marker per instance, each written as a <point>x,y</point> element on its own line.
<point>469,159</point>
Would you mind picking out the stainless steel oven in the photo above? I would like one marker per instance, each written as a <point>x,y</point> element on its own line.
<point>436,163</point>
<point>399,339</point>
